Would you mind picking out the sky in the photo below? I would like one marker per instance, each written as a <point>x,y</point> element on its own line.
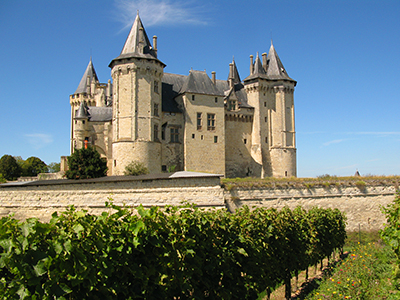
<point>344,55</point>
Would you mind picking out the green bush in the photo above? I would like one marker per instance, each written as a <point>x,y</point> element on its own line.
<point>33,166</point>
<point>86,163</point>
<point>136,168</point>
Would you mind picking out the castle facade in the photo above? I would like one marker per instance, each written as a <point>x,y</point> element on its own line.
<point>187,122</point>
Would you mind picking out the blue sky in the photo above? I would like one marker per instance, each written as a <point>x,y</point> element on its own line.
<point>343,54</point>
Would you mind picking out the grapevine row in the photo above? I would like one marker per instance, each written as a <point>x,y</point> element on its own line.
<point>176,253</point>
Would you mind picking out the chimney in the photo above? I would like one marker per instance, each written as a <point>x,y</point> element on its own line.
<point>264,61</point>
<point>155,44</point>
<point>213,77</point>
<point>109,88</point>
<point>230,75</point>
<point>141,40</point>
<point>251,65</point>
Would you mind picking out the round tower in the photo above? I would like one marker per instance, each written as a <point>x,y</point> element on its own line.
<point>137,75</point>
<point>270,91</point>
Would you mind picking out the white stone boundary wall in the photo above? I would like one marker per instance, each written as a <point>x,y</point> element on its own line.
<point>42,198</point>
<point>362,206</point>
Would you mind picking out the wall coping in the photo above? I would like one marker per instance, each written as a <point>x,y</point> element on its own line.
<point>147,177</point>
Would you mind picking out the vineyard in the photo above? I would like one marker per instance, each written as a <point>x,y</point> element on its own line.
<point>176,253</point>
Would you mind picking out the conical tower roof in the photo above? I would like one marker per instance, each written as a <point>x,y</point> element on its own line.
<point>81,112</point>
<point>258,68</point>
<point>91,73</point>
<point>234,73</point>
<point>275,68</point>
<point>137,44</point>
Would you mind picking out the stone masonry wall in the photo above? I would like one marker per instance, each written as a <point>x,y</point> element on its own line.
<point>361,205</point>
<point>41,198</point>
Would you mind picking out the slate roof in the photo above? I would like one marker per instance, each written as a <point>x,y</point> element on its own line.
<point>274,69</point>
<point>99,114</point>
<point>82,87</point>
<point>198,82</point>
<point>93,113</point>
<point>132,44</point>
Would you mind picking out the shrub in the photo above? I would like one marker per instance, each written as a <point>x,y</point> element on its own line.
<point>86,163</point>
<point>33,166</point>
<point>136,168</point>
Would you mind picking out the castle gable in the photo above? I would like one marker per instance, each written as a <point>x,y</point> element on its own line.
<point>198,82</point>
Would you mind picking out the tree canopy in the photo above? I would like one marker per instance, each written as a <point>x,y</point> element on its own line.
<point>86,163</point>
<point>33,166</point>
<point>9,167</point>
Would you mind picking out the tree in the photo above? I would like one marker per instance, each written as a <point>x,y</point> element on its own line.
<point>33,166</point>
<point>136,168</point>
<point>86,163</point>
<point>9,167</point>
<point>54,167</point>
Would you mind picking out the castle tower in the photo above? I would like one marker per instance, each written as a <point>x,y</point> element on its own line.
<point>270,91</point>
<point>84,95</point>
<point>137,75</point>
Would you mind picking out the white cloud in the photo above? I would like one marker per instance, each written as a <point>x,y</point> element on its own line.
<point>333,142</point>
<point>156,12</point>
<point>39,140</point>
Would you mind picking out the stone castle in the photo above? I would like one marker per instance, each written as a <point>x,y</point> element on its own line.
<point>187,122</point>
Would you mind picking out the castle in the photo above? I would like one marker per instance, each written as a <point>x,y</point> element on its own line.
<point>187,122</point>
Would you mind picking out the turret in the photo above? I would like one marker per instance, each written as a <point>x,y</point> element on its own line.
<point>137,75</point>
<point>270,91</point>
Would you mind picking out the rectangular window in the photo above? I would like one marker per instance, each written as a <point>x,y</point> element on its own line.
<point>193,97</point>
<point>156,87</point>
<point>155,109</point>
<point>245,141</point>
<point>199,121</point>
<point>193,136</point>
<point>210,121</point>
<point>174,135</point>
<point>155,132</point>
<point>266,140</point>
<point>265,104</point>
<point>215,139</point>
<point>266,119</point>
<point>216,100</point>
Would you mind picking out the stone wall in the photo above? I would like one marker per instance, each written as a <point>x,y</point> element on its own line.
<point>362,205</point>
<point>41,198</point>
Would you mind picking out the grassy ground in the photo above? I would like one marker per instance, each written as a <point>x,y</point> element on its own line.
<point>365,273</point>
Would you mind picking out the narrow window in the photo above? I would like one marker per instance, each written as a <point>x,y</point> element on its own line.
<point>155,132</point>
<point>156,87</point>
<point>265,104</point>
<point>266,119</point>
<point>285,173</point>
<point>215,139</point>
<point>192,97</point>
<point>193,136</point>
<point>216,100</point>
<point>202,137</point>
<point>174,134</point>
<point>266,140</point>
<point>210,121</point>
<point>164,168</point>
<point>245,141</point>
<point>155,109</point>
<point>199,121</point>
<point>115,163</point>
<point>163,127</point>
